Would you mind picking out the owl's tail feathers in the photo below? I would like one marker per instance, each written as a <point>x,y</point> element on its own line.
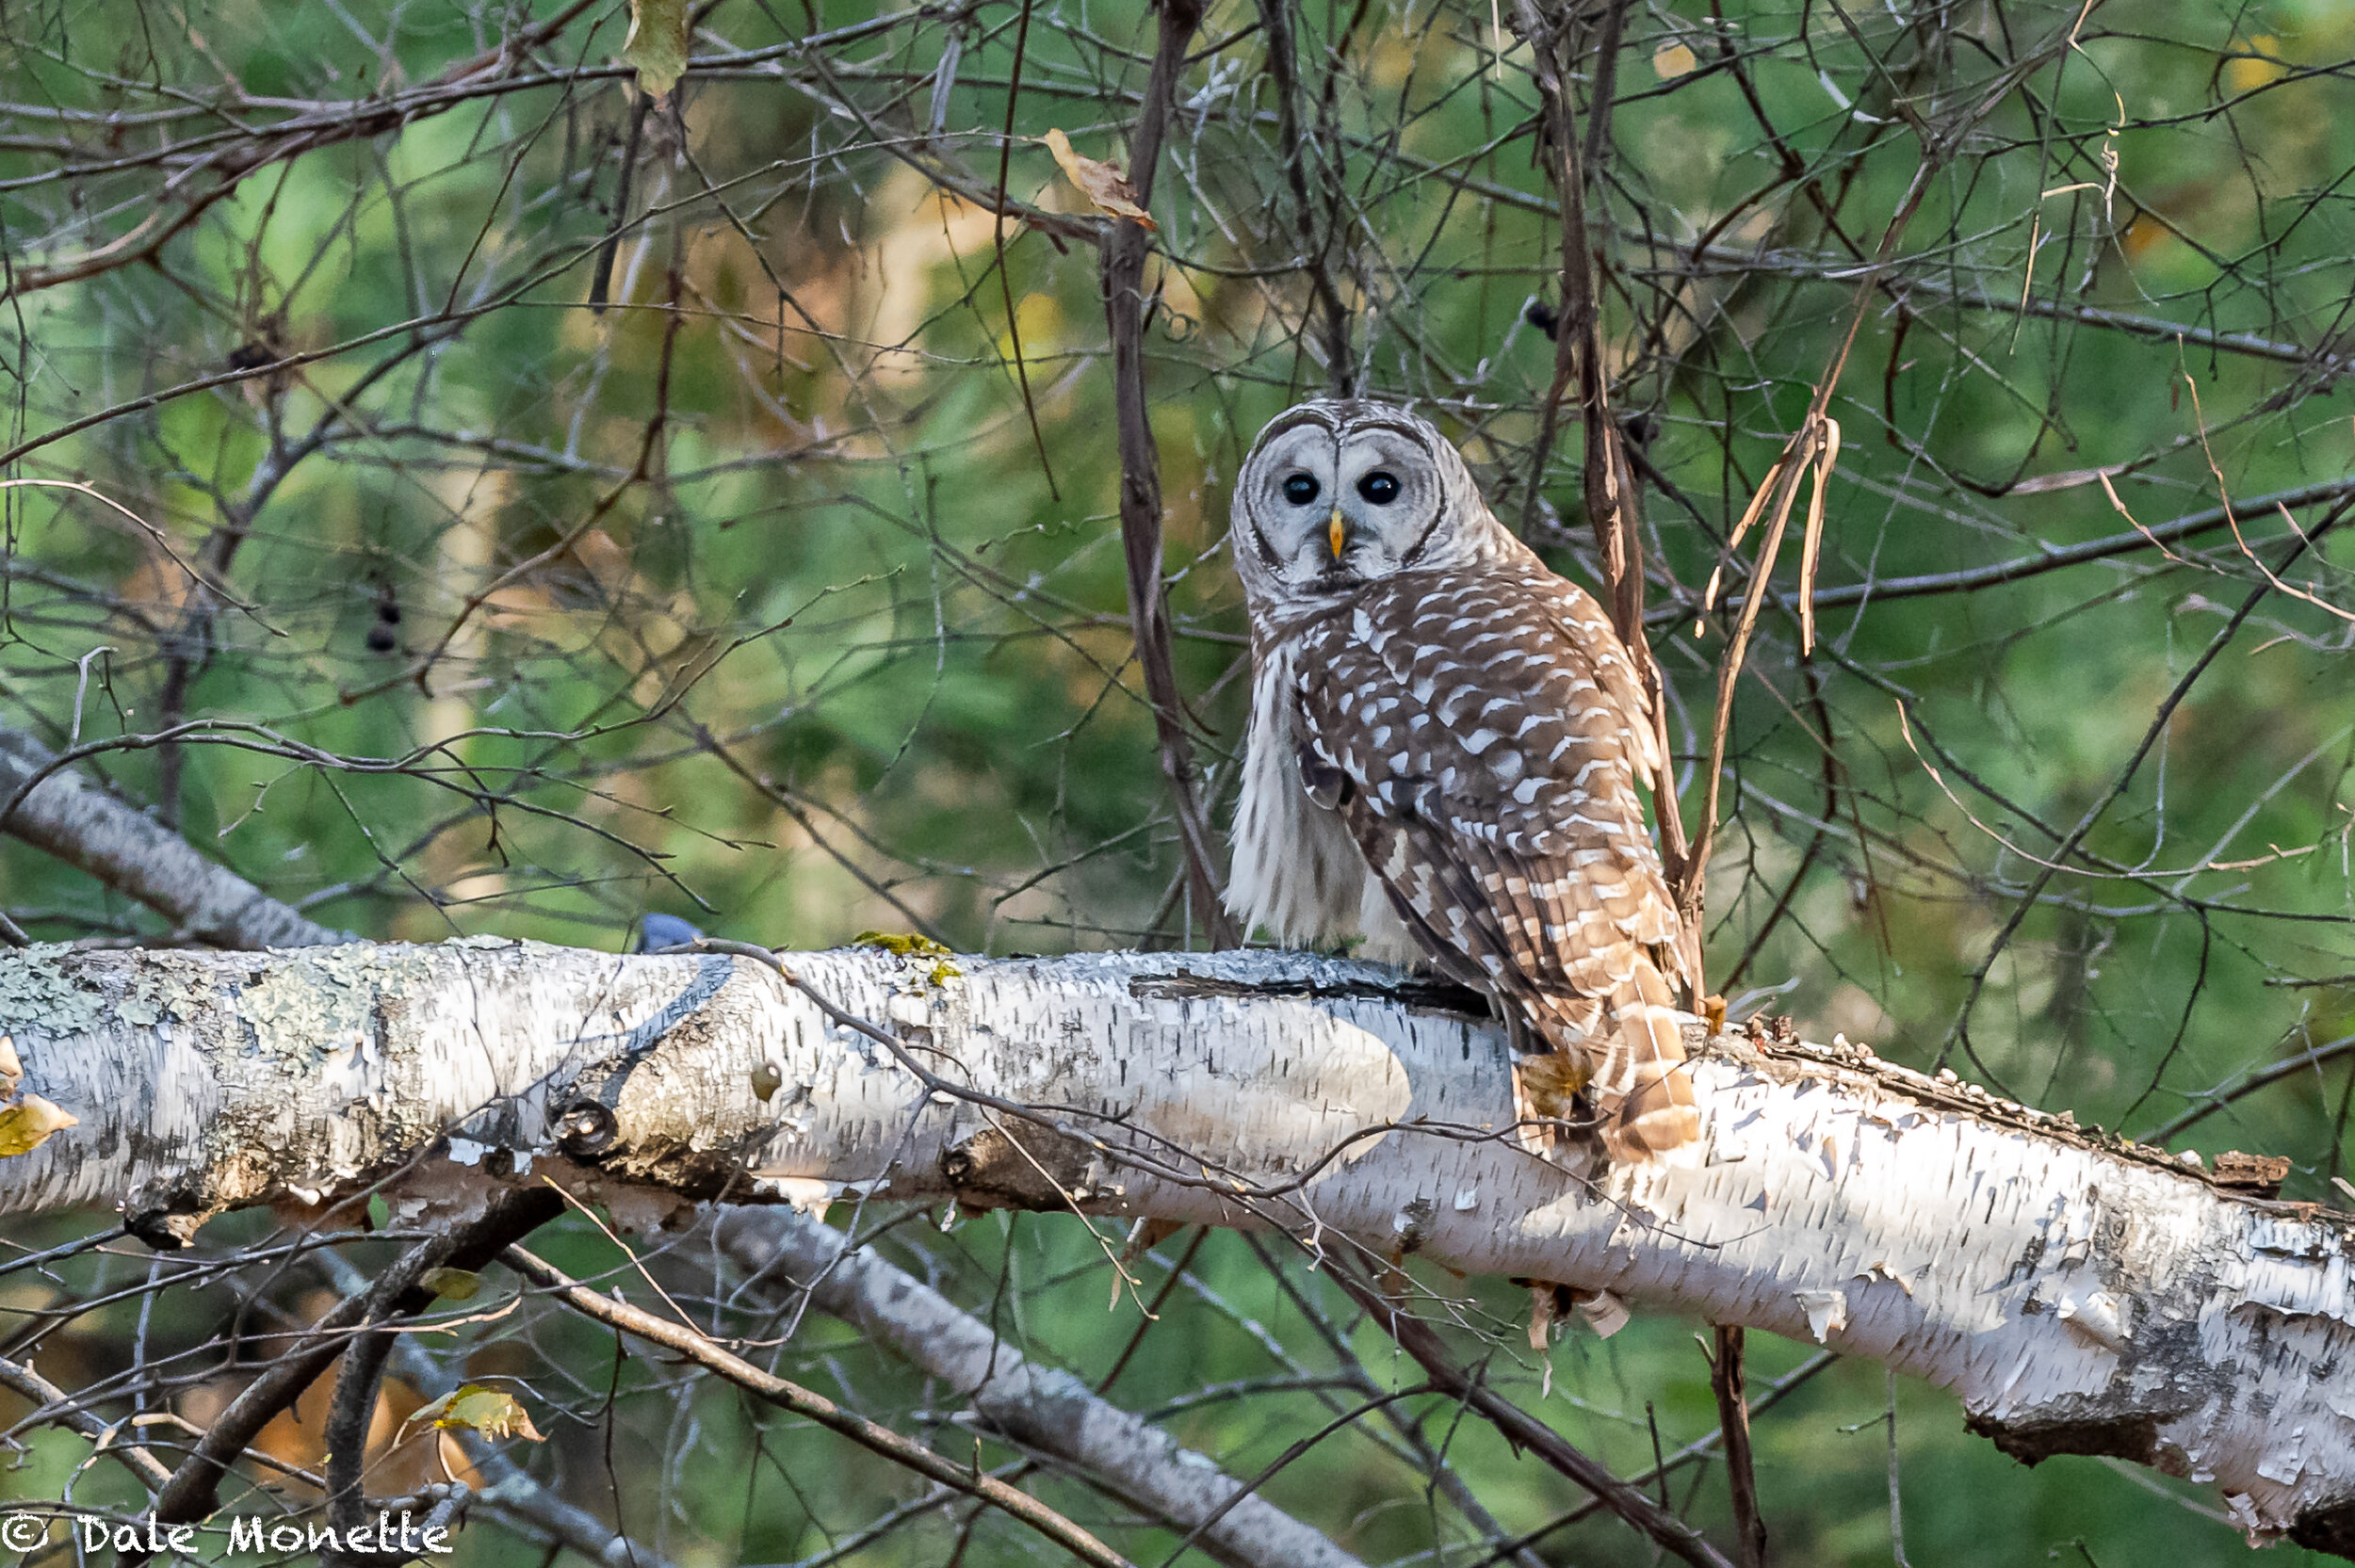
<point>1642,1086</point>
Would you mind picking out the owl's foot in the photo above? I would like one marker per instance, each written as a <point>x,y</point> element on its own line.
<point>1551,1302</point>
<point>1549,1116</point>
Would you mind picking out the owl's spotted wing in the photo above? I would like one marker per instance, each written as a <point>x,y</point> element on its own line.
<point>1505,719</point>
<point>1480,733</point>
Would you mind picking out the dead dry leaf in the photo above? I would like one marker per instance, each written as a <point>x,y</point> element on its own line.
<point>2042,483</point>
<point>1100,183</point>
<point>25,1126</point>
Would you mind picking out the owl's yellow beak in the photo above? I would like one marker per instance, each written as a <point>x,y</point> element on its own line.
<point>1338,532</point>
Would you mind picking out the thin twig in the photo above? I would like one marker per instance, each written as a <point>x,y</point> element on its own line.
<point>1421,1342</point>
<point>1122,268</point>
<point>870,1435</point>
<point>1734,1421</point>
<point>194,1490</point>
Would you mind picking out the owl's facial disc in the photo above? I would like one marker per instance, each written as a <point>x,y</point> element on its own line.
<point>1329,513</point>
<point>1388,498</point>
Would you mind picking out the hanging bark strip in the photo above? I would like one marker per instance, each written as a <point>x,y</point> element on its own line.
<point>1814,447</point>
<point>1123,251</point>
<point>1612,497</point>
<point>1813,450</point>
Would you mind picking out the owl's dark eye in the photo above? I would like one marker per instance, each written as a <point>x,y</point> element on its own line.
<point>1300,490</point>
<point>1379,487</point>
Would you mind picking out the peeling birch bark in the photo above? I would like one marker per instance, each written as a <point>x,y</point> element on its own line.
<point>2078,1294</point>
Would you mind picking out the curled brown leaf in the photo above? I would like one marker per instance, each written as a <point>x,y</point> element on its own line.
<point>1104,185</point>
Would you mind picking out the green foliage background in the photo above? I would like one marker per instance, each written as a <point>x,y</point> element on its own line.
<point>751,598</point>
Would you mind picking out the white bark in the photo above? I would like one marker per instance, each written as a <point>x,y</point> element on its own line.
<point>2077,1294</point>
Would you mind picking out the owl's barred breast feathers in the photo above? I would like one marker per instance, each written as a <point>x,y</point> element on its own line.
<point>1472,724</point>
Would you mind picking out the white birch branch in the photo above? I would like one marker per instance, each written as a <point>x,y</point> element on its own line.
<point>1044,1410</point>
<point>133,853</point>
<point>2077,1294</point>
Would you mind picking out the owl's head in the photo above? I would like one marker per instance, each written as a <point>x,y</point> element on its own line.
<point>1341,493</point>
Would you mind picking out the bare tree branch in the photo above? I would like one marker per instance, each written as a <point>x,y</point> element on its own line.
<point>233,155</point>
<point>1045,1410</point>
<point>1419,1340</point>
<point>1123,251</point>
<point>194,1489</point>
<point>1733,1422</point>
<point>53,1404</point>
<point>512,1494</point>
<point>786,1395</point>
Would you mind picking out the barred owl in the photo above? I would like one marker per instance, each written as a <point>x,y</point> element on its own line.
<point>1442,756</point>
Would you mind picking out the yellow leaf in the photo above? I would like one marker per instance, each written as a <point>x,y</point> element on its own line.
<point>452,1285</point>
<point>1100,183</point>
<point>1551,1081</point>
<point>25,1126</point>
<point>488,1411</point>
<point>2248,72</point>
<point>1672,59</point>
<point>656,44</point>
